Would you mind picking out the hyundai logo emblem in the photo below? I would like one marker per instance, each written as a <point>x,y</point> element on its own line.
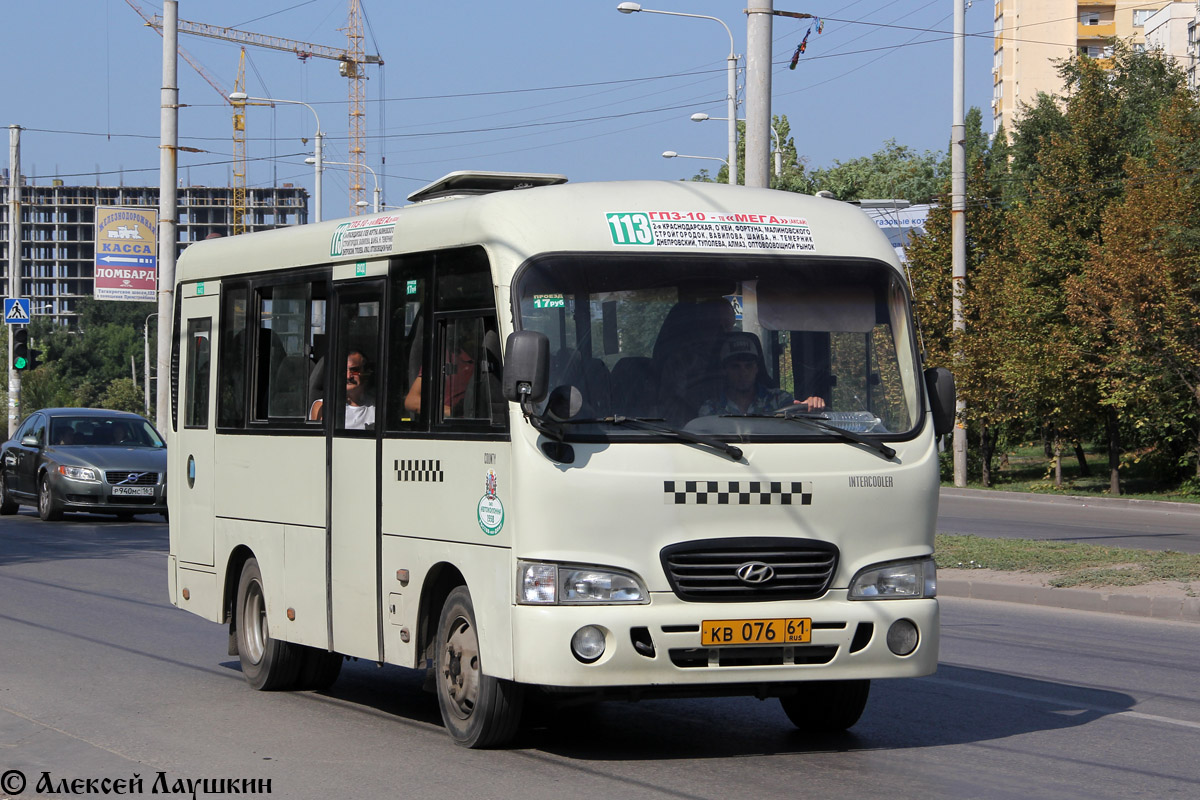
<point>755,572</point>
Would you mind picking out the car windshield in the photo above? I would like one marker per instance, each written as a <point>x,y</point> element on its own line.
<point>103,432</point>
<point>724,346</point>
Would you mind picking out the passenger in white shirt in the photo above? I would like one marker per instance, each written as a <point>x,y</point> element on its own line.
<point>360,399</point>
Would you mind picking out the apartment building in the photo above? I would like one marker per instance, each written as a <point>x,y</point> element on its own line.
<point>58,231</point>
<point>1031,35</point>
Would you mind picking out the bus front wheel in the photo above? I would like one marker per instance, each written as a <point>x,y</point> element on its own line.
<point>827,706</point>
<point>267,663</point>
<point>477,709</point>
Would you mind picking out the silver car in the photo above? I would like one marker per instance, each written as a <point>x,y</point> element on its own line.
<point>84,459</point>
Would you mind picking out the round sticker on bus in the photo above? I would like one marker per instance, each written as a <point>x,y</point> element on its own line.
<point>490,510</point>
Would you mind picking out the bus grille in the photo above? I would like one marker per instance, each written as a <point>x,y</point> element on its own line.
<point>749,569</point>
<point>122,478</point>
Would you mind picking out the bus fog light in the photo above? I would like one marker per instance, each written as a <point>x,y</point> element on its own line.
<point>588,643</point>
<point>902,637</point>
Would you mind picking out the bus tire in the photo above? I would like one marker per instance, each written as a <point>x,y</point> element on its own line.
<point>267,663</point>
<point>827,706</point>
<point>319,669</point>
<point>478,710</point>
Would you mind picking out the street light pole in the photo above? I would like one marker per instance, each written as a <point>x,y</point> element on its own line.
<point>673,154</point>
<point>758,90</point>
<point>318,143</point>
<point>731,95</point>
<point>702,117</point>
<point>14,266</point>
<point>311,160</point>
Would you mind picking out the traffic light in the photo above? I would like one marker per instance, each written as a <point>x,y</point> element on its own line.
<point>21,348</point>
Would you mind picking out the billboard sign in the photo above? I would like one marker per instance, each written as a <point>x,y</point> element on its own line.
<point>126,253</point>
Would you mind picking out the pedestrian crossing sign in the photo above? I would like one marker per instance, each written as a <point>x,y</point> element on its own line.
<point>16,310</point>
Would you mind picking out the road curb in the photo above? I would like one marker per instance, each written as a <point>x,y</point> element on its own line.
<point>1184,609</point>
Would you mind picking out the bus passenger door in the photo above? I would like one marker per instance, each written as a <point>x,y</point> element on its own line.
<point>353,379</point>
<point>192,475</point>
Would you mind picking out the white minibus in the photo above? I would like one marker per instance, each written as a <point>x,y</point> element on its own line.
<point>561,442</point>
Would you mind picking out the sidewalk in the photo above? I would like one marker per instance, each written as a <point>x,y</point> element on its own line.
<point>1158,601</point>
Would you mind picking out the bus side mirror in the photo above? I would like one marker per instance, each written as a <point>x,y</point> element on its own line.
<point>526,367</point>
<point>939,383</point>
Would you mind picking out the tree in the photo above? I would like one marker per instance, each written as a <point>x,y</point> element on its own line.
<point>1072,161</point>
<point>123,395</point>
<point>895,172</point>
<point>1139,294</point>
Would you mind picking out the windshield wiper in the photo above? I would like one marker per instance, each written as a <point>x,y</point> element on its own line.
<point>817,420</point>
<point>733,451</point>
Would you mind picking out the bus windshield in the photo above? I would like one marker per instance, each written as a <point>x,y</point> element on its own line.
<point>744,347</point>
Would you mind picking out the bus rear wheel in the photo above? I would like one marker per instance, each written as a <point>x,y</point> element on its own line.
<point>267,663</point>
<point>827,706</point>
<point>477,709</point>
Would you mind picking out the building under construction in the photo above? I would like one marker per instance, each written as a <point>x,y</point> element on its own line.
<point>58,231</point>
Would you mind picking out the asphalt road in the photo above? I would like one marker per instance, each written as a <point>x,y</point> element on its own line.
<point>101,678</point>
<point>1103,521</point>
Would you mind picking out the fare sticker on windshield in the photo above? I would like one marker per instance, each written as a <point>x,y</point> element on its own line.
<point>715,229</point>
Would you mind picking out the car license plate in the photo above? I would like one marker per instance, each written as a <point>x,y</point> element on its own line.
<point>755,631</point>
<point>134,491</point>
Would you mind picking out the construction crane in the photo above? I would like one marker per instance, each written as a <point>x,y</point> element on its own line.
<point>351,60</point>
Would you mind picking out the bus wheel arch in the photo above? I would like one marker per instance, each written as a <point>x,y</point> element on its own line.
<point>440,581</point>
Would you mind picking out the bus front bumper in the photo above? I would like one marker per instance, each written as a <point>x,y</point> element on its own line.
<point>659,644</point>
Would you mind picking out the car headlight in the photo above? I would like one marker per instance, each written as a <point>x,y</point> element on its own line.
<point>898,580</point>
<point>539,583</point>
<point>78,473</point>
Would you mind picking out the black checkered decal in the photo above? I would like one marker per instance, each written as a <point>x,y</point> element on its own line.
<point>419,470</point>
<point>737,493</point>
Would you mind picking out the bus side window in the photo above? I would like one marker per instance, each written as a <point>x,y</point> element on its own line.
<point>471,381</point>
<point>289,320</point>
<point>231,364</point>
<point>410,284</point>
<point>199,356</point>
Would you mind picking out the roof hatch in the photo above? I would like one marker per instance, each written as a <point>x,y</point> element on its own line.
<point>465,182</point>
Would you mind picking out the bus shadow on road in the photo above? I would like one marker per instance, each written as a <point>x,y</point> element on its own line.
<point>26,539</point>
<point>958,705</point>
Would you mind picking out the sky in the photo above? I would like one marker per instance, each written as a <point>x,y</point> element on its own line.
<point>555,86</point>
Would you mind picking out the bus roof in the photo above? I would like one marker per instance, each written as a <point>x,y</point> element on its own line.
<point>610,217</point>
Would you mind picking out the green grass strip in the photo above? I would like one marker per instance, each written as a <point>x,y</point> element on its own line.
<point>1070,563</point>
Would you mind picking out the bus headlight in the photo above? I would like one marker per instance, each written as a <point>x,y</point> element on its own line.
<point>555,584</point>
<point>895,581</point>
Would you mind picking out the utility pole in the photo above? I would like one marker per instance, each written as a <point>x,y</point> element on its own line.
<point>759,19</point>
<point>958,228</point>
<point>168,211</point>
<point>14,266</point>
